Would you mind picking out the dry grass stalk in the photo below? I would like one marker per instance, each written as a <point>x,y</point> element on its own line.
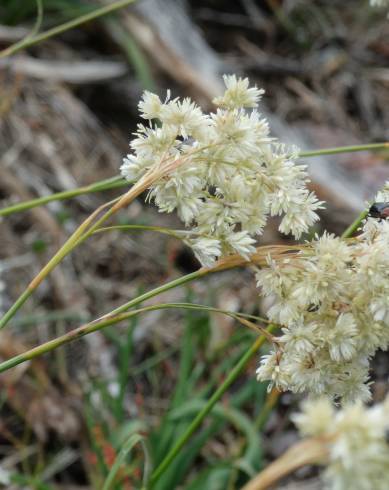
<point>305,452</point>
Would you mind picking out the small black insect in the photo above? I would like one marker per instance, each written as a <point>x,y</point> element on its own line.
<point>379,210</point>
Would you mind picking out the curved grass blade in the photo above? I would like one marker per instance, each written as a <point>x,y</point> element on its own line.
<point>35,39</point>
<point>126,449</point>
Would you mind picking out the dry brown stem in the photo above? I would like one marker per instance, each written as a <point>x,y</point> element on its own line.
<point>305,452</point>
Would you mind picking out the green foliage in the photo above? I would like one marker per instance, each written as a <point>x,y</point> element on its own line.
<point>39,245</point>
<point>13,12</point>
<point>199,373</point>
<point>133,54</point>
<point>34,483</point>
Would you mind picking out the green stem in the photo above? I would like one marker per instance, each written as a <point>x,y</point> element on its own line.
<point>180,234</point>
<point>344,149</point>
<point>35,29</point>
<point>212,309</point>
<point>30,41</point>
<point>110,319</point>
<point>14,308</point>
<point>350,230</point>
<point>102,185</point>
<point>197,421</point>
<point>271,401</point>
<point>180,281</point>
<point>82,232</point>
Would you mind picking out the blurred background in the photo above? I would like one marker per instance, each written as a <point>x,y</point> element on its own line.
<point>68,107</point>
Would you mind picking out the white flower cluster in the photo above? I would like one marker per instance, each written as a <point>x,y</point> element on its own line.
<point>332,300</point>
<point>226,174</point>
<point>358,448</point>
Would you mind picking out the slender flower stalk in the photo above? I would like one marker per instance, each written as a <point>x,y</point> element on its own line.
<point>102,185</point>
<point>350,230</point>
<point>179,234</point>
<point>115,318</point>
<point>345,149</point>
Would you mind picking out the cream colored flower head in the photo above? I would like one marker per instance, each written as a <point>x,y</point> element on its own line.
<point>222,172</point>
<point>332,301</point>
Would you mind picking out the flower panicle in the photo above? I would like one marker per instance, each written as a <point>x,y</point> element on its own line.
<point>229,174</point>
<point>332,299</point>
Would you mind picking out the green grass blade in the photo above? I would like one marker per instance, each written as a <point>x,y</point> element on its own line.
<point>107,184</point>
<point>215,478</point>
<point>133,53</point>
<point>176,473</point>
<point>184,384</point>
<point>232,376</point>
<point>252,455</point>
<point>107,9</point>
<point>121,457</point>
<point>36,27</point>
